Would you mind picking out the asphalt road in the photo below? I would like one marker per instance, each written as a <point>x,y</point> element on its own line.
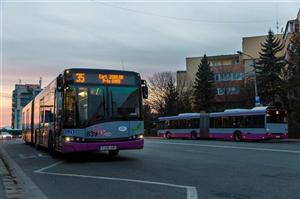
<point>204,169</point>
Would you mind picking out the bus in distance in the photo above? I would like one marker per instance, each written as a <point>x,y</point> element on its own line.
<point>87,110</point>
<point>259,123</point>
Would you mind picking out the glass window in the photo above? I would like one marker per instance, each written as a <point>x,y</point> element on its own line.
<point>275,116</point>
<point>124,102</point>
<point>70,106</point>
<point>220,91</point>
<point>233,90</point>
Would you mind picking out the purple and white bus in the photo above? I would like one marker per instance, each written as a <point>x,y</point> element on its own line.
<point>87,110</point>
<point>259,123</point>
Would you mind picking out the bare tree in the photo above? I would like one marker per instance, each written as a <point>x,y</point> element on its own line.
<point>159,84</point>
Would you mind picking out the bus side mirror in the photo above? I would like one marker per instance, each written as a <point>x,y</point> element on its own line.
<point>144,89</point>
<point>60,83</point>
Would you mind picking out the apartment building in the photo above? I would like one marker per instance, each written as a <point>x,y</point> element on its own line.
<point>228,75</point>
<point>22,94</point>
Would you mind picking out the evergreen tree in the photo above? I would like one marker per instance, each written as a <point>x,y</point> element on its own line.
<point>269,69</point>
<point>204,90</point>
<point>294,60</point>
<point>171,97</point>
<point>293,83</point>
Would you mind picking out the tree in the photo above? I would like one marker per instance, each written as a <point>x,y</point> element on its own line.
<point>163,94</point>
<point>171,98</point>
<point>270,70</point>
<point>294,61</point>
<point>293,83</point>
<point>185,92</point>
<point>204,90</point>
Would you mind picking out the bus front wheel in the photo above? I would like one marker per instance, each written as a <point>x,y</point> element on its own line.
<point>113,153</point>
<point>193,135</point>
<point>237,136</point>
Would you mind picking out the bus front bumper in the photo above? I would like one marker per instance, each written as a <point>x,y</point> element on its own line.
<point>73,147</point>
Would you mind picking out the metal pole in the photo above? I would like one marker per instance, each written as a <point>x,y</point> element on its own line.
<point>255,85</point>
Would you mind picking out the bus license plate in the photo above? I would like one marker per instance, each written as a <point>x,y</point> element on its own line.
<point>277,136</point>
<point>107,148</point>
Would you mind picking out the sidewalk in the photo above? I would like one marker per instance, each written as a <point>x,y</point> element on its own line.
<point>2,194</point>
<point>3,173</point>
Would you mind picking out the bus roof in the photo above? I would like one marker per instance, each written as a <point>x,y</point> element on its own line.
<point>182,116</point>
<point>229,112</point>
<point>233,112</point>
<point>99,69</point>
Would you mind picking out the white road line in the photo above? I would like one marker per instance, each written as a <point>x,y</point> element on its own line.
<point>48,167</point>
<point>225,147</point>
<point>195,151</point>
<point>191,191</point>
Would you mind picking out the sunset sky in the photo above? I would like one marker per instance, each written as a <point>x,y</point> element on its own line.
<point>40,39</point>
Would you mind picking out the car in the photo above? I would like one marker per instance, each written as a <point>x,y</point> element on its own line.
<point>5,136</point>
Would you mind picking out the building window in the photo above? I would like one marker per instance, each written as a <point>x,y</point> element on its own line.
<point>235,62</point>
<point>233,90</point>
<point>220,91</point>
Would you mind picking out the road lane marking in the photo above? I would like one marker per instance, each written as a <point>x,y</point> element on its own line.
<point>48,167</point>
<point>191,192</point>
<point>195,151</point>
<point>225,147</point>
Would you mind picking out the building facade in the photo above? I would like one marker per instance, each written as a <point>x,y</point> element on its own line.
<point>22,94</point>
<point>228,75</point>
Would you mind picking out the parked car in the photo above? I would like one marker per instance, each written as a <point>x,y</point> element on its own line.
<point>5,136</point>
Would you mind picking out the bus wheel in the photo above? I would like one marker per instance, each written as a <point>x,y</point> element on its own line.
<point>113,153</point>
<point>193,136</point>
<point>168,135</point>
<point>51,147</point>
<point>237,136</point>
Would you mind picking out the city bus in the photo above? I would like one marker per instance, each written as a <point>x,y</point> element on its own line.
<point>259,123</point>
<point>87,110</point>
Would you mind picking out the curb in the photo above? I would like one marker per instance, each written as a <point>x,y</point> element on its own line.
<point>17,184</point>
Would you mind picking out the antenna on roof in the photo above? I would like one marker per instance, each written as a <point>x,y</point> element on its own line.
<point>40,82</point>
<point>122,61</point>
<point>277,23</point>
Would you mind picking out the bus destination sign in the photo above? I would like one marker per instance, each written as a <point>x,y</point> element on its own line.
<point>104,78</point>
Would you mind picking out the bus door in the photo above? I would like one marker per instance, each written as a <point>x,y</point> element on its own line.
<point>41,128</point>
<point>204,126</point>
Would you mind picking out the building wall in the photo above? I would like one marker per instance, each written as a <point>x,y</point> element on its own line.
<point>22,95</point>
<point>228,71</point>
<point>252,46</point>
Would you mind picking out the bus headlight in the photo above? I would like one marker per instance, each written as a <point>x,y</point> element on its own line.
<point>141,136</point>
<point>69,139</point>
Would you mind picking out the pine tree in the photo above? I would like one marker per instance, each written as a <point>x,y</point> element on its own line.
<point>294,60</point>
<point>171,97</point>
<point>269,69</point>
<point>293,82</point>
<point>204,90</point>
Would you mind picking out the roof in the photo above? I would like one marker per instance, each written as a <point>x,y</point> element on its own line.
<point>217,56</point>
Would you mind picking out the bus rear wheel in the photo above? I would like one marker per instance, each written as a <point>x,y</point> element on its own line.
<point>168,135</point>
<point>237,136</point>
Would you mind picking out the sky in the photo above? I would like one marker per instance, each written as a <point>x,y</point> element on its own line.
<point>41,38</point>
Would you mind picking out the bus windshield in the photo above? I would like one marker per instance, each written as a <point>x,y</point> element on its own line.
<point>275,116</point>
<point>87,104</point>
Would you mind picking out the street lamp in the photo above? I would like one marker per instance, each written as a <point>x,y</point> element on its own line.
<point>257,100</point>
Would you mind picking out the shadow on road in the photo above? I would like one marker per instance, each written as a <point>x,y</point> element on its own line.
<point>94,157</point>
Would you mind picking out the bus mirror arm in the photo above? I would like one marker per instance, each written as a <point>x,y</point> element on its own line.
<point>60,83</point>
<point>144,89</point>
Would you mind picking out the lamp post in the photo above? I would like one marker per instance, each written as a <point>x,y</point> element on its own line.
<point>257,100</point>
